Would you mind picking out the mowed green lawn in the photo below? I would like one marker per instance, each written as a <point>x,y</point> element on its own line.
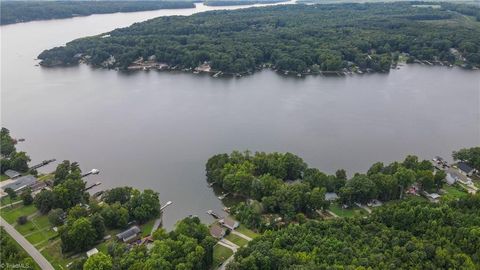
<point>352,211</point>
<point>220,254</point>
<point>244,230</point>
<point>453,193</point>
<point>239,241</point>
<point>12,214</point>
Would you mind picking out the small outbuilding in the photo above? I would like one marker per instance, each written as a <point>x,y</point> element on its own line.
<point>91,252</point>
<point>433,197</point>
<point>331,196</point>
<point>12,174</point>
<point>129,235</point>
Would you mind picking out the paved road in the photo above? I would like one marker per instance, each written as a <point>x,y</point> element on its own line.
<point>31,250</point>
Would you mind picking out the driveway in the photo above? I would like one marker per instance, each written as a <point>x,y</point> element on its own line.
<point>29,248</point>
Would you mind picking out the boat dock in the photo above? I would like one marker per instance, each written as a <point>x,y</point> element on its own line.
<point>92,186</point>
<point>213,214</point>
<point>43,163</point>
<point>93,171</point>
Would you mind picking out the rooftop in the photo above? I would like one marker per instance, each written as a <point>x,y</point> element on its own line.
<point>129,234</point>
<point>463,166</point>
<point>217,231</point>
<point>21,182</point>
<point>12,174</point>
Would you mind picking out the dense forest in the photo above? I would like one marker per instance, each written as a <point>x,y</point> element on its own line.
<point>299,38</point>
<point>407,235</point>
<point>240,2</point>
<point>23,11</point>
<point>283,184</point>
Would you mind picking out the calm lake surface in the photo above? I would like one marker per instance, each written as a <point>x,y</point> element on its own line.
<point>157,129</point>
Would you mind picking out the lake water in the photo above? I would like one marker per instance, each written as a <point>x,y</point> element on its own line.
<point>157,129</point>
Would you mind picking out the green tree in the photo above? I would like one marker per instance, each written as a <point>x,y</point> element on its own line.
<point>19,161</point>
<point>78,236</point>
<point>439,179</point>
<point>404,177</point>
<point>55,216</point>
<point>98,261</point>
<point>44,201</point>
<point>26,196</point>
<point>144,205</point>
<point>99,225</point>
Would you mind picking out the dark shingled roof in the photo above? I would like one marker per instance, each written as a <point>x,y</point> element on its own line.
<point>464,167</point>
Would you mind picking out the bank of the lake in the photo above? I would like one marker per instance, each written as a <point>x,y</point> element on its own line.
<point>157,129</point>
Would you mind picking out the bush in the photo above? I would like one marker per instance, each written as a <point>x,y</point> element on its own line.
<point>22,220</point>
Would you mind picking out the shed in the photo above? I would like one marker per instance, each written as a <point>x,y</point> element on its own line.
<point>331,196</point>
<point>21,183</point>
<point>12,174</point>
<point>91,252</point>
<point>129,235</point>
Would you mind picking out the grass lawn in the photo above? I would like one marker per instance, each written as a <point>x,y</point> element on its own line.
<point>6,200</point>
<point>220,254</point>
<point>244,230</point>
<point>3,177</point>
<point>53,254</point>
<point>453,193</point>
<point>11,214</point>
<point>353,211</point>
<point>46,177</point>
<point>147,228</point>
<point>239,241</point>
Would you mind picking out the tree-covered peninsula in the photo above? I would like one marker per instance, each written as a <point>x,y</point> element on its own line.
<point>297,38</point>
<point>25,11</point>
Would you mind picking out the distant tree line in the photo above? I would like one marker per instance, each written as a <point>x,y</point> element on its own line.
<point>240,2</point>
<point>407,235</point>
<point>298,38</point>
<point>24,11</point>
<point>283,184</point>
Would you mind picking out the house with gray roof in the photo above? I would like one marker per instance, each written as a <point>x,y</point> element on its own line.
<point>129,235</point>
<point>465,168</point>
<point>12,174</point>
<point>21,183</point>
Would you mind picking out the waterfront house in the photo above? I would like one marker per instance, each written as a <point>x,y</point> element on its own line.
<point>12,174</point>
<point>129,235</point>
<point>450,179</point>
<point>21,183</point>
<point>465,168</point>
<point>229,223</point>
<point>217,231</point>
